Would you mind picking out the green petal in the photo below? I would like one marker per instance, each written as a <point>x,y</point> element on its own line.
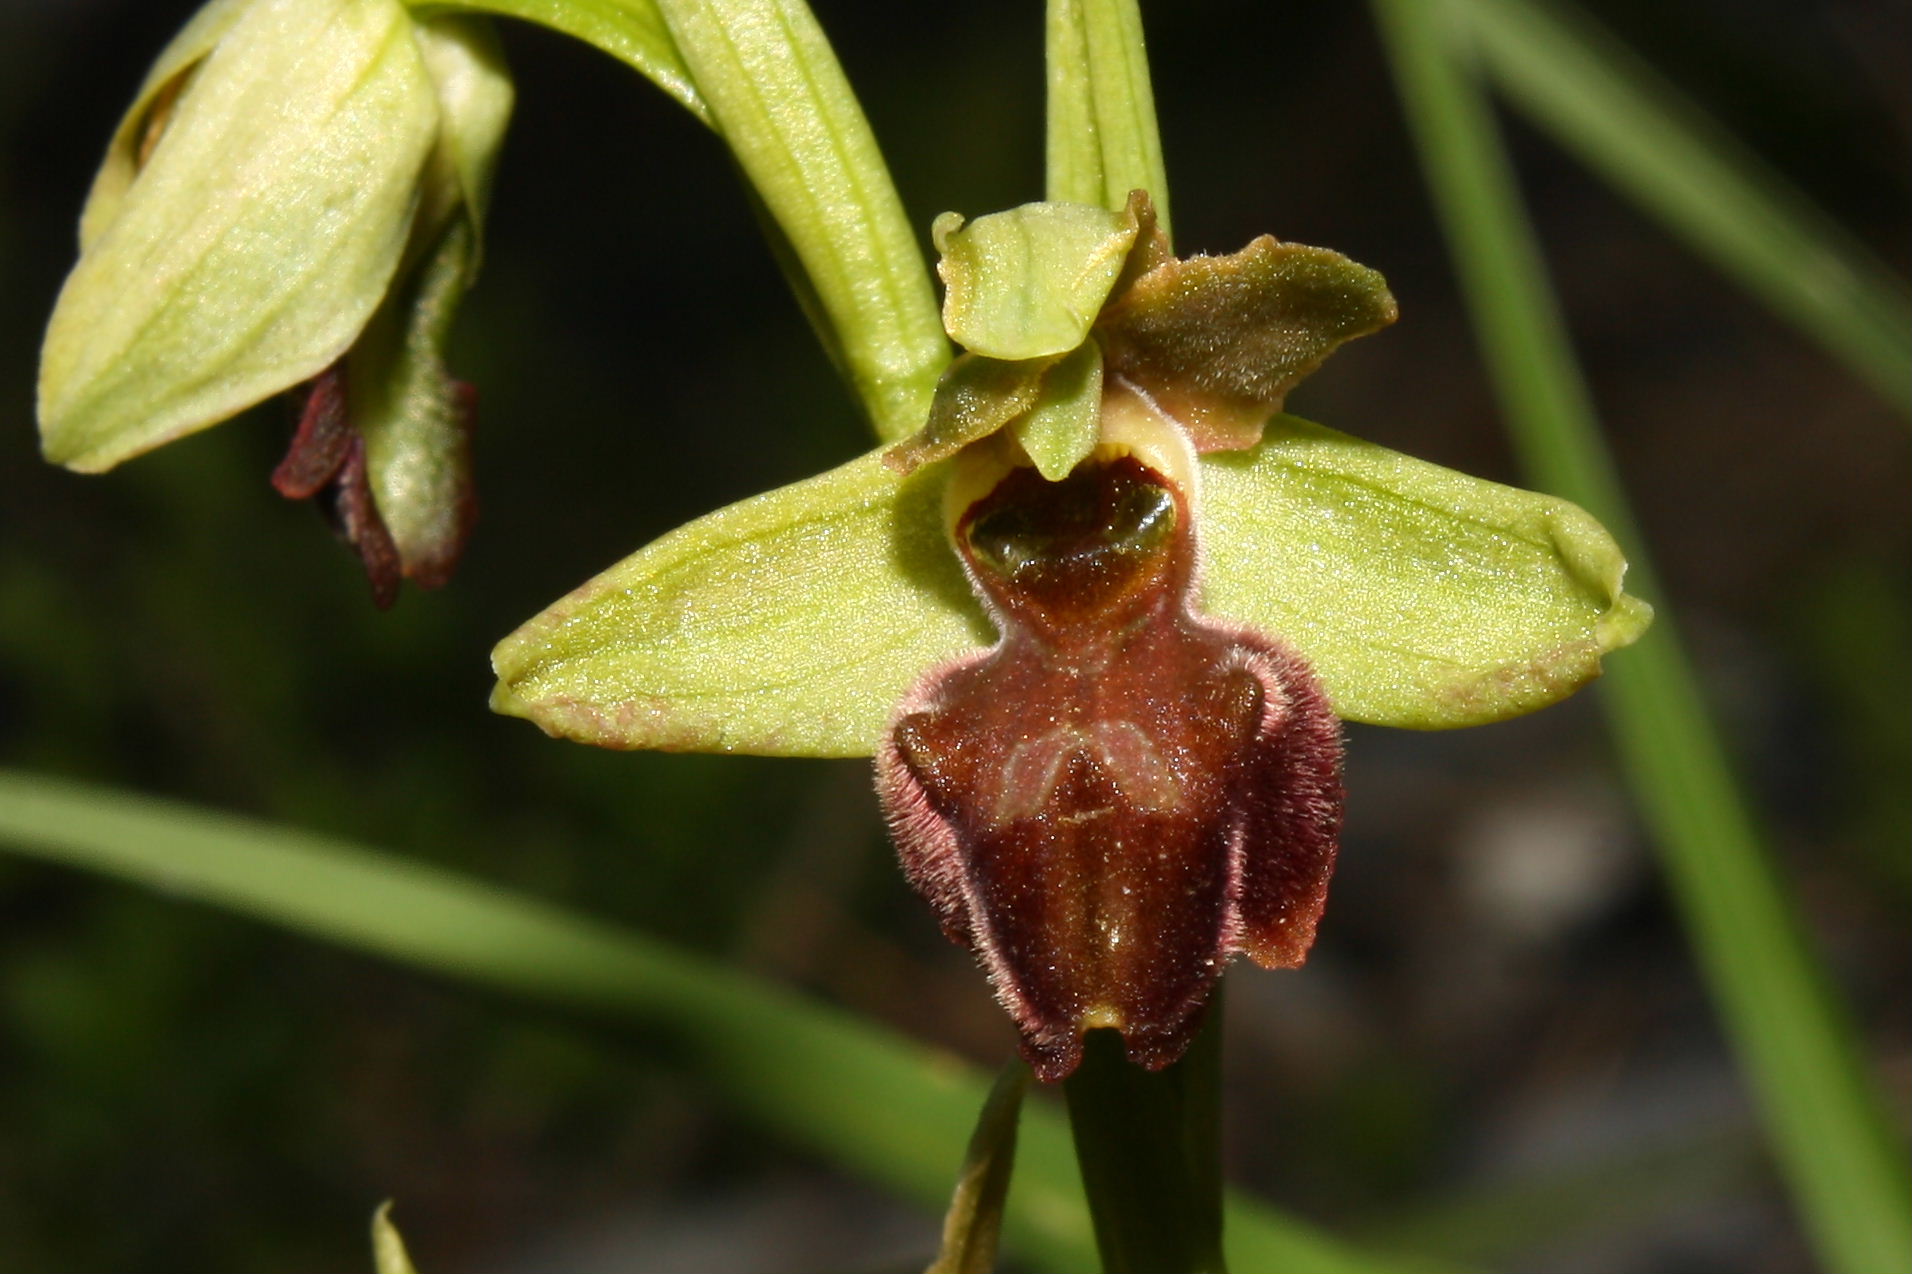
<point>256,241</point>
<point>1219,341</point>
<point>1424,598</point>
<point>975,397</point>
<point>789,624</point>
<point>1029,282</point>
<point>1062,427</point>
<point>1053,404</point>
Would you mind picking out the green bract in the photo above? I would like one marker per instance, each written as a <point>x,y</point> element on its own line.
<point>298,182</point>
<point>794,622</point>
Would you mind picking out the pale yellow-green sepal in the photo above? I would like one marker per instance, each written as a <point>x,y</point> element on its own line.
<point>413,416</point>
<point>788,624</point>
<point>1424,598</point>
<point>792,623</point>
<point>256,240</point>
<point>143,120</point>
<point>1029,282</point>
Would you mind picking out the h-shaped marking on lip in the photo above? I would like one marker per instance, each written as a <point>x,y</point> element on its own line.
<point>1118,750</point>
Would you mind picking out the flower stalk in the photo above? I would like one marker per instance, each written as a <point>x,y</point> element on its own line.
<point>1149,1144</point>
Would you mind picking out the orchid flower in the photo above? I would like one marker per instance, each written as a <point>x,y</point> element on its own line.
<point>1097,619</point>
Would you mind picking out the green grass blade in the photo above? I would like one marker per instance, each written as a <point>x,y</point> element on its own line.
<point>1103,140</point>
<point>1637,131</point>
<point>1822,1116</point>
<point>879,1105</point>
<point>1502,1223</point>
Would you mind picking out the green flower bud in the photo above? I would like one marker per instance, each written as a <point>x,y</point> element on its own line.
<point>298,186</point>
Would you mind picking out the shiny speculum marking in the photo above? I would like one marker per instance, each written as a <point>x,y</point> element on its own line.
<point>1120,794</point>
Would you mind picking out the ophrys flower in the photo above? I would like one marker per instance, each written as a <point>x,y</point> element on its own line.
<point>1138,778</point>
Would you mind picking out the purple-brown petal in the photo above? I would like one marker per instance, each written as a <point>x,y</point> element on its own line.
<point>326,463</point>
<point>319,444</point>
<point>1101,805</point>
<point>1219,341</point>
<point>356,514</point>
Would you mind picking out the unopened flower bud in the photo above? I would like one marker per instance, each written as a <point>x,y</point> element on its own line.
<point>298,187</point>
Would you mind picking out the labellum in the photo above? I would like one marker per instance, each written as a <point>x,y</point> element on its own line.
<point>1120,794</point>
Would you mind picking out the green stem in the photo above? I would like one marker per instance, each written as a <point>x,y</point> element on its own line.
<point>1792,1036</point>
<point>761,73</point>
<point>1149,1143</point>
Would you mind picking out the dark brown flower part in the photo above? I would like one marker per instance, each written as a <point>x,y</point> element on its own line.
<point>1121,794</point>
<point>326,462</point>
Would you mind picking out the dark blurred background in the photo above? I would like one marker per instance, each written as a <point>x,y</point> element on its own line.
<point>1501,995</point>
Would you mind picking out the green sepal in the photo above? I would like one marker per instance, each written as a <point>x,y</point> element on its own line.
<point>1029,282</point>
<point>788,624</point>
<point>1424,598</point>
<point>1219,341</point>
<point>256,240</point>
<point>975,397</point>
<point>150,113</point>
<point>1062,427</point>
<point>793,622</point>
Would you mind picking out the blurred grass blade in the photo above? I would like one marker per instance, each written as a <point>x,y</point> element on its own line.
<point>1822,1116</point>
<point>875,1103</point>
<point>781,101</point>
<point>1636,130</point>
<point>632,31</point>
<point>974,1220</point>
<point>1511,1223</point>
<point>1103,141</point>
